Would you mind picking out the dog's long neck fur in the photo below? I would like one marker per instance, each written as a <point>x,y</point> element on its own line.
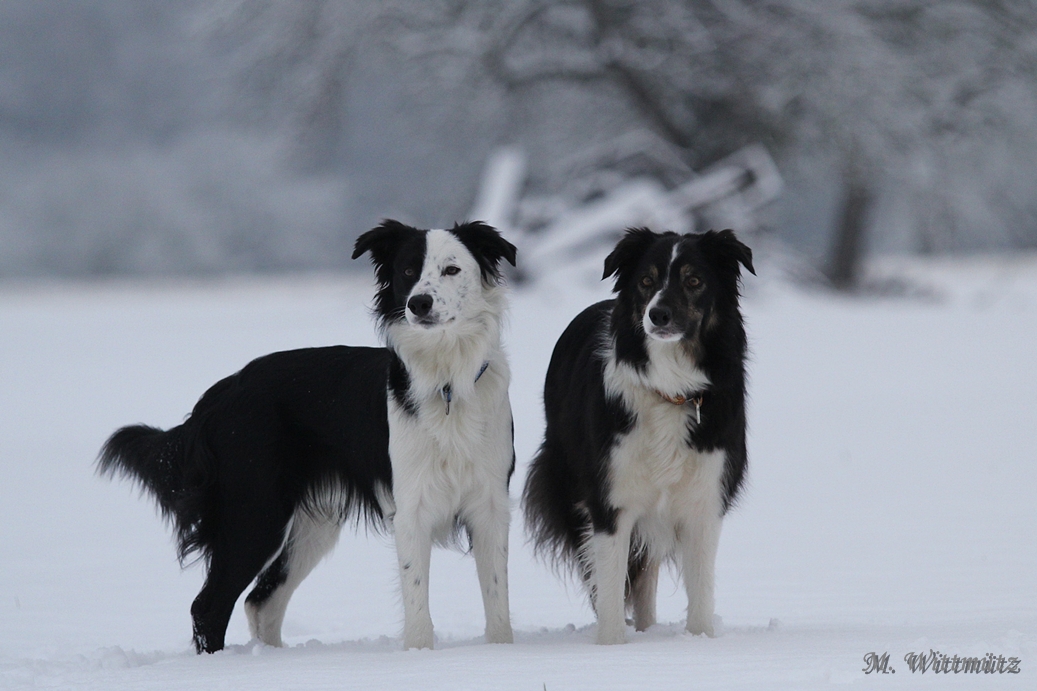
<point>668,368</point>
<point>453,354</point>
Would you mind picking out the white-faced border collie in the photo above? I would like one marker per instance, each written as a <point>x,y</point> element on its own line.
<point>418,435</point>
<point>644,449</point>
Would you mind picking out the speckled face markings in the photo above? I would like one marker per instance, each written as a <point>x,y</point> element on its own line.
<point>448,276</point>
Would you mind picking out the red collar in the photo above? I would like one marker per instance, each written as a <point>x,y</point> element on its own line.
<point>680,399</point>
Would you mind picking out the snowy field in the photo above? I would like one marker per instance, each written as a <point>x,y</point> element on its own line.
<point>889,506</point>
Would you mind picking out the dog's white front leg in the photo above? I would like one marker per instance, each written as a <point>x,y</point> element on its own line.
<point>489,532</point>
<point>414,552</point>
<point>699,546</point>
<point>611,554</point>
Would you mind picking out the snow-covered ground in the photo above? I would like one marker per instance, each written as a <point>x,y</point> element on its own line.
<point>890,504</point>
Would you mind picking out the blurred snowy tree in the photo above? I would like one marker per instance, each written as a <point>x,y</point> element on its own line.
<point>923,113</point>
<point>932,99</point>
<point>936,100</point>
<point>926,107</point>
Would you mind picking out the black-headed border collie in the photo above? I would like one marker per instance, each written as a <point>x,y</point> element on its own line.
<point>644,449</point>
<point>274,459</point>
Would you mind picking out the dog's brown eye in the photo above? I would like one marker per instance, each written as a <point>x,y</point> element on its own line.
<point>451,271</point>
<point>694,282</point>
<point>409,273</point>
<point>647,281</point>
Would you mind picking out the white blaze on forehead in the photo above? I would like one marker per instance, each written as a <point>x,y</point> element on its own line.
<point>665,276</point>
<point>646,322</point>
<point>443,249</point>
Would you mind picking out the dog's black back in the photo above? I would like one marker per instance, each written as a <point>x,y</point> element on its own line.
<point>567,487</point>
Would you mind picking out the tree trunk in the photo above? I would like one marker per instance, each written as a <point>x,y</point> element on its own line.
<point>844,266</point>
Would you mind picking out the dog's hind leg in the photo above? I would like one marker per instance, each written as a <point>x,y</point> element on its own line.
<point>267,585</point>
<point>310,538</point>
<point>489,530</point>
<point>247,542</point>
<point>644,583</point>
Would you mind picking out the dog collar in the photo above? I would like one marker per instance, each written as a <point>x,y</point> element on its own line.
<point>447,392</point>
<point>680,399</point>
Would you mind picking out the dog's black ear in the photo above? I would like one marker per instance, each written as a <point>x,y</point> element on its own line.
<point>726,250</point>
<point>382,242</point>
<point>628,252</point>
<point>487,246</point>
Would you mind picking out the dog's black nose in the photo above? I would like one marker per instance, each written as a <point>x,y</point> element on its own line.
<point>660,316</point>
<point>420,305</point>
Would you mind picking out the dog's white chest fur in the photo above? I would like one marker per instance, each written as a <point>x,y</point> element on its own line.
<point>440,459</point>
<point>656,476</point>
<point>664,483</point>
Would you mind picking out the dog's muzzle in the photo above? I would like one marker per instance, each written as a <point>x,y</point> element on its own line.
<point>660,316</point>
<point>420,306</point>
<point>659,324</point>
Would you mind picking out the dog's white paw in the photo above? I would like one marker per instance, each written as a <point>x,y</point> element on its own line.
<point>418,642</point>
<point>419,636</point>
<point>701,626</point>
<point>610,636</point>
<point>502,636</point>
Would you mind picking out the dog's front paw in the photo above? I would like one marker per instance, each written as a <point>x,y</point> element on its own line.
<point>609,636</point>
<point>700,626</point>
<point>418,637</point>
<point>500,635</point>
<point>417,642</point>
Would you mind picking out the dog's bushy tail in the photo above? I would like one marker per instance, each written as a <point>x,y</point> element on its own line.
<point>555,523</point>
<point>176,475</point>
